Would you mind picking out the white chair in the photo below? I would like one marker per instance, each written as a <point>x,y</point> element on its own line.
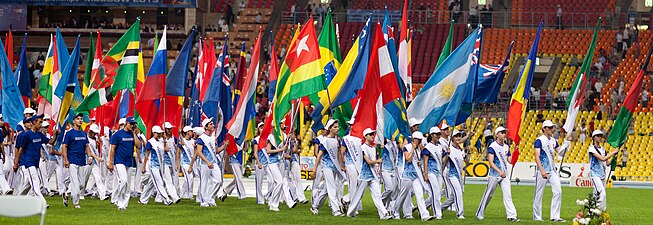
<point>22,206</point>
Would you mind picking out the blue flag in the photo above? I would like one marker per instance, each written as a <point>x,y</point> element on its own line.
<point>178,74</point>
<point>22,73</point>
<point>12,106</point>
<point>195,108</point>
<point>217,101</point>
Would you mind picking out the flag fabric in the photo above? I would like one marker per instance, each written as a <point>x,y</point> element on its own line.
<point>68,89</point>
<point>60,59</point>
<point>328,44</point>
<point>619,132</point>
<point>126,52</point>
<point>195,108</point>
<point>23,75</point>
<point>388,34</point>
<point>217,104</point>
<point>12,106</point>
<point>90,58</point>
<point>442,95</point>
<point>284,74</point>
<point>241,73</point>
<point>613,164</point>
<point>238,124</point>
<point>306,72</point>
<point>348,80</point>
<point>178,74</point>
<point>267,128</point>
<point>368,109</point>
<point>404,54</point>
<point>446,50</point>
<point>274,70</point>
<point>45,90</point>
<point>10,48</point>
<point>207,67</point>
<point>577,92</point>
<point>148,100</point>
<point>521,93</point>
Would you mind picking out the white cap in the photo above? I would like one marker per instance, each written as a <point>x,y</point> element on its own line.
<point>368,131</point>
<point>547,123</point>
<point>157,129</point>
<point>0,115</point>
<point>92,118</point>
<point>350,122</point>
<point>46,116</point>
<point>434,130</point>
<point>106,130</point>
<point>456,132</point>
<point>597,132</point>
<point>187,128</point>
<point>499,129</point>
<point>417,135</point>
<point>167,125</point>
<point>412,122</point>
<point>45,124</point>
<point>444,126</point>
<point>330,123</point>
<point>206,121</point>
<point>260,124</point>
<point>122,121</point>
<point>28,110</point>
<point>198,130</point>
<point>95,128</point>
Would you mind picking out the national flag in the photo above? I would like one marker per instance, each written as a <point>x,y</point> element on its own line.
<point>331,59</point>
<point>241,72</point>
<point>126,51</point>
<point>148,100</point>
<point>388,34</point>
<point>446,49</point>
<point>306,72</point>
<point>68,89</point>
<point>45,90</point>
<point>217,104</point>
<point>10,48</point>
<point>60,60</point>
<point>391,106</point>
<point>619,132</point>
<point>369,107</point>
<point>404,54</point>
<point>443,93</point>
<point>284,75</point>
<point>207,66</point>
<point>577,92</point>
<point>23,75</point>
<point>267,128</point>
<point>178,74</point>
<point>520,95</point>
<point>90,58</point>
<point>347,82</point>
<point>274,70</point>
<point>195,108</point>
<point>243,114</point>
<point>12,106</point>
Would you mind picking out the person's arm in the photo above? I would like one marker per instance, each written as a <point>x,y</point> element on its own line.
<point>19,152</point>
<point>198,152</point>
<point>137,142</point>
<point>539,163</point>
<point>54,137</point>
<point>408,155</point>
<point>469,135</point>
<point>272,151</point>
<point>42,153</point>
<point>490,159</point>
<point>91,154</point>
<point>112,154</point>
<point>605,158</point>
<point>255,153</point>
<point>222,148</point>
<point>2,152</point>
<point>177,156</point>
<point>342,156</point>
<point>425,166</point>
<point>147,156</point>
<point>64,154</point>
<point>318,159</point>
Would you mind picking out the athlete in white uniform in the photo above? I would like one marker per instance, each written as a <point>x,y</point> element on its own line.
<point>236,163</point>
<point>318,178</point>
<point>154,157</point>
<point>174,153</point>
<point>4,185</point>
<point>545,147</point>
<point>295,174</point>
<point>210,172</point>
<point>598,156</point>
<point>454,160</point>
<point>101,190</point>
<point>351,151</point>
<point>369,178</point>
<point>498,153</point>
<point>432,163</point>
<point>187,147</point>
<point>261,164</point>
<point>389,174</point>
<point>281,187</point>
<point>328,158</point>
<point>410,179</point>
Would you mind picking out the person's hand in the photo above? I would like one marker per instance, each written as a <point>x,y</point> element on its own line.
<point>190,170</point>
<point>615,152</point>
<point>426,177</point>
<point>110,167</point>
<point>259,165</point>
<point>15,167</point>
<point>143,170</point>
<point>66,163</point>
<point>210,165</point>
<point>502,174</point>
<point>90,161</point>
<point>101,160</point>
<point>545,175</point>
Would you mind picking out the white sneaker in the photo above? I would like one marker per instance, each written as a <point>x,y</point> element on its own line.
<point>274,209</point>
<point>338,214</point>
<point>461,217</point>
<point>427,218</point>
<point>315,211</point>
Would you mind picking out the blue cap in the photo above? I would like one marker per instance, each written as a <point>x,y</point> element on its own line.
<point>79,115</point>
<point>34,118</point>
<point>27,120</point>
<point>130,119</point>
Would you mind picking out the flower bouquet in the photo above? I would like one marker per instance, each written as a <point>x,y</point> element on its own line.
<point>590,213</point>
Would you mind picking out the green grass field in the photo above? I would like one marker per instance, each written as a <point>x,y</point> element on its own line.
<point>626,206</point>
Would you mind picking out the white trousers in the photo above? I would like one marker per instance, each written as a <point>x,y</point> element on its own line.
<point>280,188</point>
<point>186,188</point>
<point>210,182</point>
<point>4,185</point>
<point>43,170</point>
<point>168,173</point>
<point>84,176</point>
<point>375,191</point>
<point>156,183</point>
<point>121,194</point>
<point>99,181</point>
<point>74,185</point>
<point>296,177</point>
<point>53,168</point>
<point>352,182</point>
<point>390,188</point>
<point>599,190</point>
<point>138,185</point>
<point>556,201</point>
<point>331,191</point>
<point>30,181</point>
<point>492,183</point>
<point>435,194</point>
<point>237,182</point>
<point>318,183</point>
<point>455,197</point>
<point>260,174</point>
<point>405,196</point>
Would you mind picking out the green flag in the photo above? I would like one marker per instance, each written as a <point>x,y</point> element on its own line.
<point>446,50</point>
<point>89,66</point>
<point>125,53</point>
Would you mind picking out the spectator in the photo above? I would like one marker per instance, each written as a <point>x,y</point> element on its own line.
<point>473,14</point>
<point>248,57</point>
<point>536,96</point>
<point>644,97</point>
<point>150,43</point>
<point>631,16</point>
<point>257,19</point>
<point>293,7</point>
<point>221,24</point>
<point>229,14</point>
<point>620,42</point>
<point>626,36</point>
<point>241,7</point>
<point>583,131</point>
<point>624,155</point>
<point>559,17</point>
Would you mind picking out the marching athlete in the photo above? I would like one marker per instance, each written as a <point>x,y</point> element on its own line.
<point>168,169</point>
<point>497,156</point>
<point>454,160</point>
<point>236,163</point>
<point>281,187</point>
<point>94,145</point>
<point>598,157</point>
<point>432,163</point>
<point>154,157</point>
<point>210,172</point>
<point>187,147</point>
<point>121,160</point>
<point>545,147</point>
<point>328,158</point>
<point>74,149</point>
<point>261,160</point>
<point>410,181</point>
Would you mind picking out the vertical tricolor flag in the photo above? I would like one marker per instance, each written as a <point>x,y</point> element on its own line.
<point>521,93</point>
<point>619,131</point>
<point>577,92</point>
<point>243,114</point>
<point>148,100</point>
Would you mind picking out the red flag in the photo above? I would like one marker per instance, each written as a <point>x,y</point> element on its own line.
<point>515,156</point>
<point>267,129</point>
<point>10,48</point>
<point>366,110</point>
<point>209,61</point>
